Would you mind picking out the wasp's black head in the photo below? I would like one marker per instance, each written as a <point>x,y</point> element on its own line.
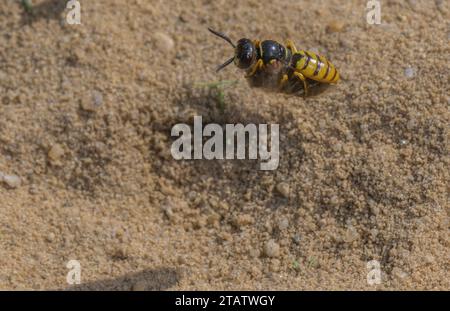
<point>245,54</point>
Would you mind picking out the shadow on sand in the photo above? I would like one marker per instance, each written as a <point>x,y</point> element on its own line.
<point>148,280</point>
<point>50,9</point>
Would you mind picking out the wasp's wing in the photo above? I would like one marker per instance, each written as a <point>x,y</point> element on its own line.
<point>296,87</point>
<point>267,77</point>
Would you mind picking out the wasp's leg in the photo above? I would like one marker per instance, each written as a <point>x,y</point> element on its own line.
<point>290,45</point>
<point>255,68</point>
<point>303,79</point>
<point>283,82</point>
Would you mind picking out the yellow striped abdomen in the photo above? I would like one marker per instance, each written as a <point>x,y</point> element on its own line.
<point>315,67</point>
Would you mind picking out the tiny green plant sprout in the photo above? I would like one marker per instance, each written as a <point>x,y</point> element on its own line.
<point>296,265</point>
<point>218,89</point>
<point>27,5</point>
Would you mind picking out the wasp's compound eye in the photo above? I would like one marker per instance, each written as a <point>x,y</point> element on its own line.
<point>245,53</point>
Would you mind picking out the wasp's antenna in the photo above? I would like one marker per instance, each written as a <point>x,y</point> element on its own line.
<point>225,64</point>
<point>221,35</point>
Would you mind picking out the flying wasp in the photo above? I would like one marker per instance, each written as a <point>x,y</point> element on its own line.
<point>272,65</point>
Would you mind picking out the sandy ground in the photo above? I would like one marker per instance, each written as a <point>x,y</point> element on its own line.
<point>85,119</point>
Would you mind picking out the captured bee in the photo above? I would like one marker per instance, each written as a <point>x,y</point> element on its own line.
<point>271,65</point>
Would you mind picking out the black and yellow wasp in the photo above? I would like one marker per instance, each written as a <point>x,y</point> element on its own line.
<point>284,68</point>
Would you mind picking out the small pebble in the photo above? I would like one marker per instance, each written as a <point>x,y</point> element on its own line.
<point>119,233</point>
<point>33,190</point>
<point>181,260</point>
<point>183,18</point>
<point>50,237</point>
<point>168,210</point>
<point>411,124</point>
<point>412,4</point>
<point>172,204</point>
<point>335,26</point>
<point>283,224</point>
<point>275,265</point>
<point>226,236</point>
<point>92,103</point>
<point>271,249</point>
<point>346,43</point>
<point>254,253</point>
<point>12,181</point>
<point>163,42</point>
<point>213,220</point>
<point>402,18</point>
<point>243,220</point>
<point>410,72</point>
<point>398,273</point>
<point>98,98</point>
<point>429,259</point>
<point>351,235</point>
<point>55,154</point>
<point>283,189</point>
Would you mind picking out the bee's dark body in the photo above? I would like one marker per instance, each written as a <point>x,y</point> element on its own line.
<point>273,66</point>
<point>271,50</point>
